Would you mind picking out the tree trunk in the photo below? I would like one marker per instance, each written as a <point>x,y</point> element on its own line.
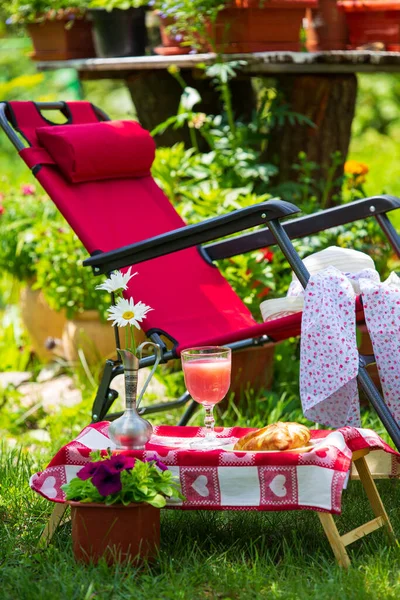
<point>329,102</point>
<point>156,96</point>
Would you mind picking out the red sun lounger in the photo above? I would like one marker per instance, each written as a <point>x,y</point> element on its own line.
<point>97,172</point>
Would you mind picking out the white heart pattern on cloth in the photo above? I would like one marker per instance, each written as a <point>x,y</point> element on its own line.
<point>48,488</point>
<point>200,486</point>
<point>277,486</point>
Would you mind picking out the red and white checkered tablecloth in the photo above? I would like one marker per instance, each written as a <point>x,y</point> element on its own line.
<point>222,479</point>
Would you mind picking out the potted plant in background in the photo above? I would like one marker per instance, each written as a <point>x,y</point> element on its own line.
<point>373,22</point>
<point>67,286</point>
<point>57,299</point>
<point>59,28</point>
<point>24,220</point>
<point>326,27</point>
<point>235,25</point>
<point>115,507</point>
<point>119,27</point>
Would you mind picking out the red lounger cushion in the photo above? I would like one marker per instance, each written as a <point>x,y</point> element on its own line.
<point>95,151</point>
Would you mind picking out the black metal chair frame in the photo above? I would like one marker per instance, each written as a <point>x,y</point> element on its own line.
<point>267,214</point>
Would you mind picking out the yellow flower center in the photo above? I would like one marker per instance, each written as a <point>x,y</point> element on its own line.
<point>128,314</point>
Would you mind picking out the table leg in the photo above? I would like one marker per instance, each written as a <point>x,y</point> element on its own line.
<point>52,524</point>
<point>329,102</point>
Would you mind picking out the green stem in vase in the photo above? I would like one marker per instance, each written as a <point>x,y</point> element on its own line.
<point>133,339</point>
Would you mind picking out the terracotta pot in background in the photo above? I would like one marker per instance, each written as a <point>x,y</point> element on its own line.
<point>170,45</point>
<point>252,26</point>
<point>52,40</point>
<point>372,22</point>
<point>326,27</point>
<point>365,347</point>
<point>252,368</point>
<point>40,321</point>
<point>117,533</point>
<point>95,338</point>
<point>88,333</point>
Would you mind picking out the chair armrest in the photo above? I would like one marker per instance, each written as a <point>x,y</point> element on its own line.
<point>304,226</point>
<point>190,235</point>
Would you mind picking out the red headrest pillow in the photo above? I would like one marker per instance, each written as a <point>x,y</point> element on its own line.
<point>104,150</point>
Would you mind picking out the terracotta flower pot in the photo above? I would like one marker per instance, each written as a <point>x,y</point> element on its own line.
<point>365,347</point>
<point>171,45</point>
<point>58,40</point>
<point>40,321</point>
<point>250,26</point>
<point>252,368</point>
<point>118,533</point>
<point>372,21</point>
<point>254,26</point>
<point>88,333</point>
<point>326,27</point>
<point>95,338</point>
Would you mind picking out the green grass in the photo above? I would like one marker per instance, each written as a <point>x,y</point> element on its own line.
<point>211,555</point>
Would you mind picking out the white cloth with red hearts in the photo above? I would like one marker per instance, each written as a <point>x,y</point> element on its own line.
<point>329,358</point>
<point>222,479</point>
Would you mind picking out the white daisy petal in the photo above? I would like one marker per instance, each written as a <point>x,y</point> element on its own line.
<point>126,312</point>
<point>117,281</point>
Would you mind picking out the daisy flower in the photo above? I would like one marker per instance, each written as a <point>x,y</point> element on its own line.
<point>117,281</point>
<point>126,312</point>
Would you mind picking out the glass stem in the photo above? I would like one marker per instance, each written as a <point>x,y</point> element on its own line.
<point>209,421</point>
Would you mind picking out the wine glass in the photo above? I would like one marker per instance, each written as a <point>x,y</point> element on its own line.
<point>207,372</point>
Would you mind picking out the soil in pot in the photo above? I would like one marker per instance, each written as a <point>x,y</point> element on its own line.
<point>118,533</point>
<point>54,40</point>
<point>372,22</point>
<point>119,32</point>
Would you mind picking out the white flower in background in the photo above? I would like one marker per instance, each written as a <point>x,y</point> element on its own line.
<point>126,312</point>
<point>117,281</point>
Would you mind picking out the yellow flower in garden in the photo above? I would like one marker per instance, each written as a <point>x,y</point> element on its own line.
<point>356,172</point>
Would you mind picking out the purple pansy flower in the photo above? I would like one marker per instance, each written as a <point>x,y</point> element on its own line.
<point>157,461</point>
<point>88,471</point>
<point>106,481</point>
<point>120,462</point>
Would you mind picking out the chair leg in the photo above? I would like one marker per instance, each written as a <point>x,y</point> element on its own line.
<point>52,524</point>
<point>334,538</point>
<point>373,495</point>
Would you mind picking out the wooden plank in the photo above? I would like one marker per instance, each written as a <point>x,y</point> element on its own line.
<point>365,529</point>
<point>359,454</point>
<point>373,495</point>
<point>381,466</point>
<point>339,61</point>
<point>334,538</point>
<point>52,524</point>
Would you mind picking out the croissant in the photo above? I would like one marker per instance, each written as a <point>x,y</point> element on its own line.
<point>278,436</point>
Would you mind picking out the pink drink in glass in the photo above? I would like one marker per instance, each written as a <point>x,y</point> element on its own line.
<point>208,380</point>
<point>207,371</point>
